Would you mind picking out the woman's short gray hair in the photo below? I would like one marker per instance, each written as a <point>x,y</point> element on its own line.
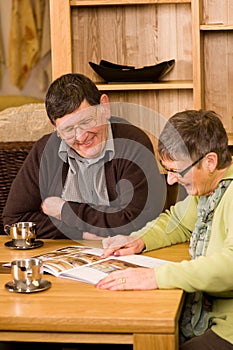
<point>192,134</point>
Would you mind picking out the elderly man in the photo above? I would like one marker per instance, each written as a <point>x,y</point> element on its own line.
<point>95,176</point>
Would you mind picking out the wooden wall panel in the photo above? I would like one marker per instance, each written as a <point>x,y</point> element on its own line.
<point>218,60</point>
<point>218,68</point>
<point>150,109</point>
<point>174,38</point>
<point>214,12</point>
<point>134,35</point>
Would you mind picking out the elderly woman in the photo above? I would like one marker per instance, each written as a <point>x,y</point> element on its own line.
<point>193,147</point>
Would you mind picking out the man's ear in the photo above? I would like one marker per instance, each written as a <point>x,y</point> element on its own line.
<point>52,123</point>
<point>104,102</point>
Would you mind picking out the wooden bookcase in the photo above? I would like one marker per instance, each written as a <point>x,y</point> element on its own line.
<point>146,32</point>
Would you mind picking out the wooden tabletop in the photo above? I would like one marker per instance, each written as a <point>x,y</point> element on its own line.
<point>73,311</point>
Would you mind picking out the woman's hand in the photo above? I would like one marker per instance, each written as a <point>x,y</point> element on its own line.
<point>130,279</point>
<point>122,245</point>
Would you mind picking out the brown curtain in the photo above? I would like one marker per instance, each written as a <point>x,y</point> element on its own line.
<point>2,58</point>
<point>24,45</point>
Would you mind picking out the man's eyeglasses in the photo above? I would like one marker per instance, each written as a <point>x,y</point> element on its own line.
<point>183,172</point>
<point>84,124</point>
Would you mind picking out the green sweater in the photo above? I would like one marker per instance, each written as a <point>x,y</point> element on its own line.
<point>212,273</point>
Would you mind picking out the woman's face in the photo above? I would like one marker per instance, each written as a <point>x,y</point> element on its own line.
<point>197,180</point>
<point>85,130</point>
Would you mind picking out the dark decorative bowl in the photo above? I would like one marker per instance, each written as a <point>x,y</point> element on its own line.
<point>112,72</point>
<point>114,65</point>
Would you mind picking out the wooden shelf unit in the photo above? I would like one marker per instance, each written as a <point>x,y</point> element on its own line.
<point>187,30</point>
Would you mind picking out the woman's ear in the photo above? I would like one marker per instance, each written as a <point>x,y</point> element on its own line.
<point>212,161</point>
<point>104,102</point>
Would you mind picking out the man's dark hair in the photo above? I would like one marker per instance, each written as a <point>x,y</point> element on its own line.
<point>66,94</point>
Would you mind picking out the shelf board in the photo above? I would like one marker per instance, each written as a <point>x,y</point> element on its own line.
<point>168,85</point>
<point>216,26</point>
<point>124,2</point>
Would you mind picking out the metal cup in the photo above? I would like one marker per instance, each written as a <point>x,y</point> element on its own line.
<point>23,234</point>
<point>27,273</point>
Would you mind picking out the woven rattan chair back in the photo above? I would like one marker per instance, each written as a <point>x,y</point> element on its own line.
<point>12,156</point>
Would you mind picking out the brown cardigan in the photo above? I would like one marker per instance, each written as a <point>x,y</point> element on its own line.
<point>133,202</point>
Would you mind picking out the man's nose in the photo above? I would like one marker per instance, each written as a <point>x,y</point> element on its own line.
<point>78,132</point>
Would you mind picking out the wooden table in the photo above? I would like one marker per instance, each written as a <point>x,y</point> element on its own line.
<point>76,312</point>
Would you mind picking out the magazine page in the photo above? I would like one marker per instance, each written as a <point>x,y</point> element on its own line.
<point>62,259</point>
<point>94,272</point>
<point>84,263</point>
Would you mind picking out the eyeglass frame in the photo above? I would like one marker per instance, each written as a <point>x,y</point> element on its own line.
<point>76,126</point>
<point>183,172</point>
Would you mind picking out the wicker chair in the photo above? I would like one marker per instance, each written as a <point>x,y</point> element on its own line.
<point>12,156</point>
<point>21,125</point>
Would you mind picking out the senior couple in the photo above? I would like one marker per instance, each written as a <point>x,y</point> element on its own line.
<point>120,191</point>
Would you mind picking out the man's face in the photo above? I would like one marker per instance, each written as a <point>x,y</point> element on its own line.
<point>85,130</point>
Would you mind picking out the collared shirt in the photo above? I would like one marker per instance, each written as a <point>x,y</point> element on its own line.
<point>86,182</point>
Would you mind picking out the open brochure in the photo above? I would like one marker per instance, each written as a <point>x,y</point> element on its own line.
<point>84,263</point>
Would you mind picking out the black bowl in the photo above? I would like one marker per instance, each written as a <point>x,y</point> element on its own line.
<point>114,65</point>
<point>112,72</point>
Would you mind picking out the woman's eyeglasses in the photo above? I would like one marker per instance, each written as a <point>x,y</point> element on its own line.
<point>182,172</point>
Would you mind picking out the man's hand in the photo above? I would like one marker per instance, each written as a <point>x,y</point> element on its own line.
<point>52,206</point>
<point>91,236</point>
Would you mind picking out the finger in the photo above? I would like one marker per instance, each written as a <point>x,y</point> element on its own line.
<point>124,251</point>
<point>106,242</point>
<point>107,252</point>
<point>118,251</point>
<point>112,283</point>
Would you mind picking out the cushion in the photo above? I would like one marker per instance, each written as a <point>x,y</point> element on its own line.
<point>24,123</point>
